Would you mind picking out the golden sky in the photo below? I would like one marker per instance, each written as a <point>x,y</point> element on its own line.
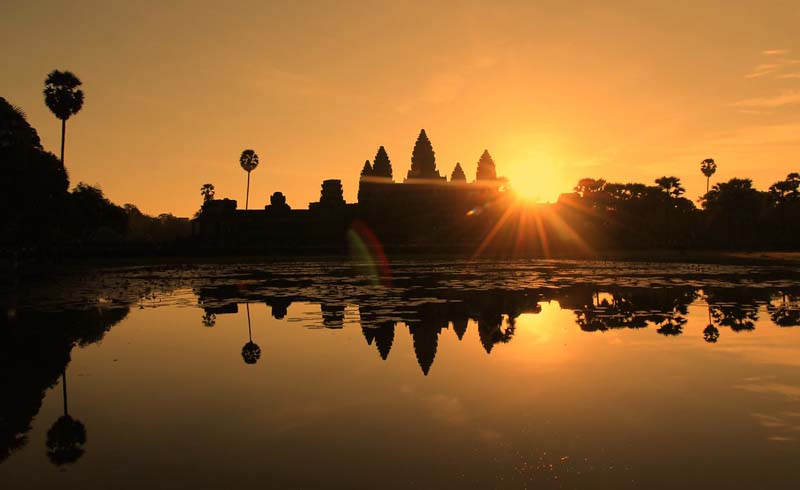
<point>625,90</point>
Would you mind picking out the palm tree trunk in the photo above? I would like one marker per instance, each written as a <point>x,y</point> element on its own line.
<point>247,196</point>
<point>249,331</point>
<point>708,179</point>
<point>63,136</point>
<point>64,388</point>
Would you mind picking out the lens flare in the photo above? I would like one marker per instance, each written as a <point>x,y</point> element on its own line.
<point>367,252</point>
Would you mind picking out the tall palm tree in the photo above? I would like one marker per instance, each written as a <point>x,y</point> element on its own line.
<point>63,98</point>
<point>709,168</point>
<point>249,162</point>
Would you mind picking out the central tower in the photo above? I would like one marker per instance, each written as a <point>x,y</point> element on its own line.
<point>423,160</point>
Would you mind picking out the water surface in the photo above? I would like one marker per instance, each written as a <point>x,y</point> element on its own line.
<point>421,374</point>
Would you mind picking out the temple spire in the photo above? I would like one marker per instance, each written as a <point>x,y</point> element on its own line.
<point>458,174</point>
<point>382,166</point>
<point>423,159</point>
<point>367,170</point>
<point>486,167</point>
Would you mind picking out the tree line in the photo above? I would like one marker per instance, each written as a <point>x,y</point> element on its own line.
<point>39,210</point>
<point>731,215</point>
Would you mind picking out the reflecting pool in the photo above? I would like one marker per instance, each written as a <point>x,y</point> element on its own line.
<point>421,374</point>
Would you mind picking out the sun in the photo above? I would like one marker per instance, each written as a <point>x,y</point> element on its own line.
<point>541,188</point>
<point>536,172</point>
<point>526,192</point>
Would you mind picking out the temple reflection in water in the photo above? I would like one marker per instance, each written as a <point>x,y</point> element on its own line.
<point>495,313</point>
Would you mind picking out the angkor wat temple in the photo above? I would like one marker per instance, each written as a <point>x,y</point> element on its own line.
<point>425,210</point>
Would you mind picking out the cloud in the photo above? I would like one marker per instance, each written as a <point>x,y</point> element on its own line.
<point>763,69</point>
<point>774,52</point>
<point>787,97</point>
<point>755,136</point>
<point>776,63</point>
<point>789,75</point>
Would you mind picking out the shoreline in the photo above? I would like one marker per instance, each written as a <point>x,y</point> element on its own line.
<point>67,264</point>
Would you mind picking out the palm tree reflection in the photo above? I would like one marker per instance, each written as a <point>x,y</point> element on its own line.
<point>251,352</point>
<point>209,319</point>
<point>710,333</point>
<point>67,436</point>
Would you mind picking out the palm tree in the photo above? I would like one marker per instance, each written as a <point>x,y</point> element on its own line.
<point>671,186</point>
<point>63,97</point>
<point>249,162</point>
<point>709,168</point>
<point>207,191</point>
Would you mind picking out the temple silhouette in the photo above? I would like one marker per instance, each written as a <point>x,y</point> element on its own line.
<point>425,209</point>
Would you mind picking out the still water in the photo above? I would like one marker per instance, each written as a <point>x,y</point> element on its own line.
<point>424,374</point>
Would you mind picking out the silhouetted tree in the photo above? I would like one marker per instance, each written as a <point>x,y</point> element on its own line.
<point>63,98</point>
<point>423,159</point>
<point>163,228</point>
<point>458,174</point>
<point>207,191</point>
<point>249,161</point>
<point>590,187</point>
<point>35,182</point>
<point>733,210</point>
<point>382,166</point>
<point>486,167</point>
<point>671,186</point>
<point>785,191</point>
<point>709,168</point>
<point>91,212</point>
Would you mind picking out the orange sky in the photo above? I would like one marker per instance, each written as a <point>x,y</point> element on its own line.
<point>626,90</point>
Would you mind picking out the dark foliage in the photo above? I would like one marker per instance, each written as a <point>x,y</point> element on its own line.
<point>62,95</point>
<point>164,228</point>
<point>32,201</point>
<point>93,217</point>
<point>65,441</point>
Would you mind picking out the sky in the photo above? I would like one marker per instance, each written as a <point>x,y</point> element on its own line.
<point>555,90</point>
